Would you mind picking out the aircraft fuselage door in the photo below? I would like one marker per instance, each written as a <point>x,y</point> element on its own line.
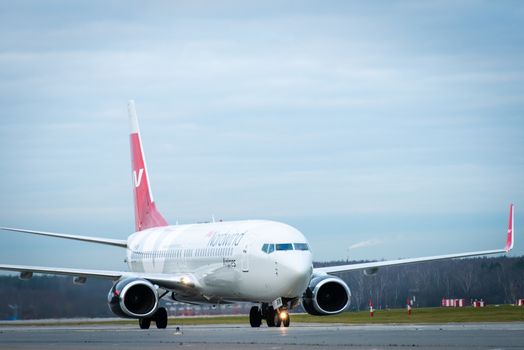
<point>245,259</point>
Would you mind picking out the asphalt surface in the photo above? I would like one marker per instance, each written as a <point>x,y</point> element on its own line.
<point>298,336</point>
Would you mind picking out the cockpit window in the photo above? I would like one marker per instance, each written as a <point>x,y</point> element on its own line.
<point>269,248</point>
<point>284,246</point>
<point>301,246</point>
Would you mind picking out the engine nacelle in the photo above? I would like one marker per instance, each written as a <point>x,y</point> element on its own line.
<point>133,298</point>
<point>326,295</point>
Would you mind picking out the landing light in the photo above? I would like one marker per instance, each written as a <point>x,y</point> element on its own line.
<point>185,280</point>
<point>283,315</point>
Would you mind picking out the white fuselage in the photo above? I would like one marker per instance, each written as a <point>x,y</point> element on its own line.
<point>227,259</point>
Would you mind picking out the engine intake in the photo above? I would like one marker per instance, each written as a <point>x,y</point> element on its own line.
<point>326,295</point>
<point>133,298</point>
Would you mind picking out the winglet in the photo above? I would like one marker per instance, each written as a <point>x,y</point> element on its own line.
<point>133,119</point>
<point>510,240</point>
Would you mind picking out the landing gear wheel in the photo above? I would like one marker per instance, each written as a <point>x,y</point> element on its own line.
<point>161,318</point>
<point>144,323</point>
<point>255,317</point>
<point>270,317</point>
<point>277,321</point>
<point>286,321</point>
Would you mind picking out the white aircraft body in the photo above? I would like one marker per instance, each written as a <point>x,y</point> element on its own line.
<point>263,262</point>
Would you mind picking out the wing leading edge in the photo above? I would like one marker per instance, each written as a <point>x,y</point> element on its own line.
<point>373,266</point>
<point>105,274</point>
<point>108,241</point>
<point>185,283</point>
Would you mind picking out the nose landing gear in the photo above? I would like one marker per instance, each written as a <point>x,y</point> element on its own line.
<point>274,318</point>
<point>284,318</point>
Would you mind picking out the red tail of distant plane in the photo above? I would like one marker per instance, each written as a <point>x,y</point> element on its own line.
<point>146,214</point>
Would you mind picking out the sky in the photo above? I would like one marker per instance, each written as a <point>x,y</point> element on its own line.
<point>381,129</point>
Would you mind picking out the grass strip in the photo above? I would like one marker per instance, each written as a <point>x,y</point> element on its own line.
<point>503,313</point>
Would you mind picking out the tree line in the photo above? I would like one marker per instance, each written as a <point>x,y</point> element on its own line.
<point>497,280</point>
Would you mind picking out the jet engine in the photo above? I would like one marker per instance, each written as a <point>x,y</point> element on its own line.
<point>133,298</point>
<point>326,295</point>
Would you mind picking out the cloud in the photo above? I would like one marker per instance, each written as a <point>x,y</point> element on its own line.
<point>367,243</point>
<point>264,111</point>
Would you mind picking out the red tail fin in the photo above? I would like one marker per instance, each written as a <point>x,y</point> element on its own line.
<point>146,214</point>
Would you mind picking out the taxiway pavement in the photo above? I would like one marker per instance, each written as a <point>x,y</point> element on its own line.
<point>298,336</point>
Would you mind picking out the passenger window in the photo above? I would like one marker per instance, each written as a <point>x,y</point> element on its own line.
<point>271,248</point>
<point>264,247</point>
<point>301,246</point>
<point>285,246</point>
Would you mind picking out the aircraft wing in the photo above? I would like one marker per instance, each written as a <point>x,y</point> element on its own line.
<point>179,282</point>
<point>372,267</point>
<point>112,275</point>
<point>108,241</point>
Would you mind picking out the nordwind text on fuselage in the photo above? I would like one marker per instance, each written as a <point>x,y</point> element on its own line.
<point>225,239</point>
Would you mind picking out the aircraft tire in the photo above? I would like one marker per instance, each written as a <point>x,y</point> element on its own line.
<point>278,321</point>
<point>144,323</point>
<point>255,317</point>
<point>287,321</point>
<point>161,318</point>
<point>270,317</point>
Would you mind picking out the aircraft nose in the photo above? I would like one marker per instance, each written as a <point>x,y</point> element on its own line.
<point>297,271</point>
<point>301,264</point>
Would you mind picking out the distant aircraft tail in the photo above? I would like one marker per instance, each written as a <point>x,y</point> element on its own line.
<point>146,214</point>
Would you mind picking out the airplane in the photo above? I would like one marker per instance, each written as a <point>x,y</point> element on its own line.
<point>263,262</point>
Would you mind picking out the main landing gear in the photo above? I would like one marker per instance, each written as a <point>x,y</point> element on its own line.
<point>160,318</point>
<point>274,318</point>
